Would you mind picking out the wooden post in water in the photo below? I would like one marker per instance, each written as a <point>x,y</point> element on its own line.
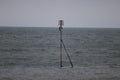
<point>61,23</point>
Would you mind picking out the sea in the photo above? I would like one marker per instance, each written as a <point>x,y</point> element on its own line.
<point>33,53</point>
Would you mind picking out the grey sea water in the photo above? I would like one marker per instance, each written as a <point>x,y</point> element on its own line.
<point>36,48</point>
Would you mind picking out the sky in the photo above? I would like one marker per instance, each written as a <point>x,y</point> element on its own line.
<point>46,13</point>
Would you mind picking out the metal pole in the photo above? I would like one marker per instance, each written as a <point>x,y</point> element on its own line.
<point>60,47</point>
<point>60,29</point>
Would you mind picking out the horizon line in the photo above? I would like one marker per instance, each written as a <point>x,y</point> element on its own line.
<point>58,26</point>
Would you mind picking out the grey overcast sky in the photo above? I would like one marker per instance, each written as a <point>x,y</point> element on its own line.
<point>46,13</point>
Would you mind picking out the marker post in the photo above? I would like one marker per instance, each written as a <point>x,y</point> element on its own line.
<point>62,45</point>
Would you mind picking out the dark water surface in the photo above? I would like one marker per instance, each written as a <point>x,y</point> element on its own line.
<point>39,47</point>
<point>33,54</point>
